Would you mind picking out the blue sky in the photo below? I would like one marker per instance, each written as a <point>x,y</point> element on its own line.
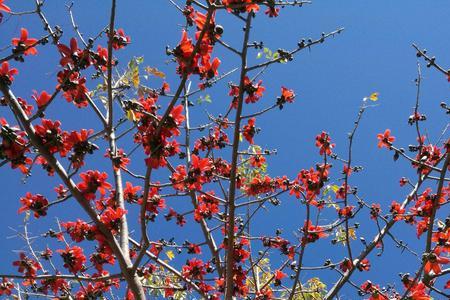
<point>373,54</point>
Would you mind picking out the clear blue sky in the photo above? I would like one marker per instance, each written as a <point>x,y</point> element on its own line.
<point>373,54</point>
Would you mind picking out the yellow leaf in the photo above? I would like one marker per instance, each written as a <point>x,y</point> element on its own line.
<point>131,116</point>
<point>352,233</point>
<point>135,77</point>
<point>170,254</point>
<point>155,72</point>
<point>374,96</point>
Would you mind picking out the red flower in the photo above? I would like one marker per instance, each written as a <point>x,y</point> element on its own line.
<point>403,181</point>
<point>14,146</point>
<point>80,230</point>
<point>74,56</point>
<point>4,8</point>
<point>346,265</point>
<point>120,40</point>
<point>6,74</point>
<point>130,192</point>
<point>434,262</point>
<point>385,139</point>
<point>346,211</point>
<point>55,284</point>
<point>397,210</point>
<point>27,266</point>
<point>272,12</point>
<point>24,44</point>
<point>73,258</point>
<point>363,265</point>
<point>5,286</point>
<point>417,291</point>
<point>78,143</point>
<point>195,269</point>
<point>194,249</point>
<point>111,218</point>
<point>120,160</point>
<point>249,130</point>
<point>312,233</point>
<point>254,91</point>
<point>287,95</point>
<point>207,206</point>
<point>74,87</point>
<point>36,203</point>
<point>323,142</point>
<point>374,291</point>
<point>93,181</point>
<point>257,160</point>
<point>41,99</point>
<point>51,135</point>
<point>278,276</point>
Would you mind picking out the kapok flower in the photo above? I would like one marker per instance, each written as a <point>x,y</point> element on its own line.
<point>385,139</point>
<point>24,44</point>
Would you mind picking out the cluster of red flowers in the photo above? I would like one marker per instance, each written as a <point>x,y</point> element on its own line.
<point>218,139</point>
<point>280,243</point>
<point>79,143</point>
<point>195,269</point>
<point>153,135</point>
<point>27,266</point>
<point>428,155</point>
<point>154,203</point>
<point>80,230</point>
<point>14,146</point>
<point>75,59</point>
<point>253,91</point>
<point>38,204</point>
<point>309,183</point>
<point>312,233</point>
<point>207,206</point>
<point>73,258</point>
<point>196,58</point>
<point>249,130</point>
<point>93,181</point>
<point>199,173</point>
<point>111,218</point>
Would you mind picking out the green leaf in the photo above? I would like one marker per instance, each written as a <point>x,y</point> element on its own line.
<point>139,60</point>
<point>204,99</point>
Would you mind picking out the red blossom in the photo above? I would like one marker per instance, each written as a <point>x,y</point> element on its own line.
<point>80,230</point>
<point>24,44</point>
<point>194,269</point>
<point>249,130</point>
<point>111,218</point>
<point>6,286</point>
<point>27,266</point>
<point>7,74</point>
<point>42,99</point>
<point>385,139</point>
<point>312,233</point>
<point>38,204</point>
<point>323,142</point>
<point>93,181</point>
<point>120,39</point>
<point>73,258</point>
